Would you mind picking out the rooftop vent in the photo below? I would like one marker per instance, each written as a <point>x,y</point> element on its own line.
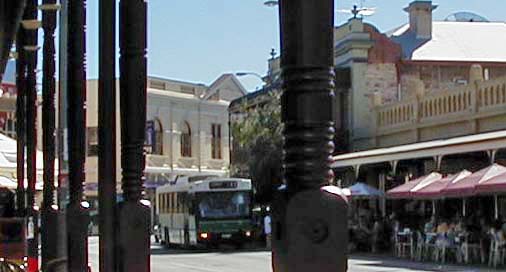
<point>465,16</point>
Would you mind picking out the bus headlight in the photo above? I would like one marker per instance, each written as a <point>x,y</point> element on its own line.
<point>248,233</point>
<point>204,235</point>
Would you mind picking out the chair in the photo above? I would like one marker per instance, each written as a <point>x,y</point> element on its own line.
<point>469,248</point>
<point>420,246</point>
<point>403,243</point>
<point>497,251</point>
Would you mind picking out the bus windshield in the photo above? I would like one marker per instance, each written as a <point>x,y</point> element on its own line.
<point>223,204</point>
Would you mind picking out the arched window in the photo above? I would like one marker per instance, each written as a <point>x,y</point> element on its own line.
<point>158,147</point>
<point>186,140</point>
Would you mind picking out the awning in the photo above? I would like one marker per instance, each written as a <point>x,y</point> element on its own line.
<point>466,186</point>
<point>408,189</point>
<point>434,190</point>
<point>457,145</point>
<point>362,190</point>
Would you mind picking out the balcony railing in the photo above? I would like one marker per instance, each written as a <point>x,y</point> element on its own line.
<point>485,99</point>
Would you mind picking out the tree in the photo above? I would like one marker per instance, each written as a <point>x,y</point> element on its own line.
<point>258,139</point>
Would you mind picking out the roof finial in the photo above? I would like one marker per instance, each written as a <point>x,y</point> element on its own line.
<point>273,53</point>
<point>355,11</point>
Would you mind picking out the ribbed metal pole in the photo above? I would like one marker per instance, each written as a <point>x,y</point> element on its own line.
<point>77,212</point>
<point>107,135</point>
<point>309,220</point>
<point>133,214</point>
<point>20,121</point>
<point>49,213</point>
<point>31,137</point>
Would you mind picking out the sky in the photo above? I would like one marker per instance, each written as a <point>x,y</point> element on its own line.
<point>198,40</point>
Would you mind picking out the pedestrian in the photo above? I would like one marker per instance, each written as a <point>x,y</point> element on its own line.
<point>267,231</point>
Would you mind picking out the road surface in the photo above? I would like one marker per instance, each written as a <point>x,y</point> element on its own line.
<point>229,260</point>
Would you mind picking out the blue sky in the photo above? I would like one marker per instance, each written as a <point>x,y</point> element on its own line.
<point>198,40</point>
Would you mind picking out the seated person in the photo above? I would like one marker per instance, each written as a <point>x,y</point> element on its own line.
<point>431,225</point>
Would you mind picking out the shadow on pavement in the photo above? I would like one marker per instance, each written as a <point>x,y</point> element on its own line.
<point>224,249</point>
<point>407,265</point>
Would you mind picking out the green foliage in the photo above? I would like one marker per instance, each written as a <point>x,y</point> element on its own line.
<point>263,121</point>
<point>258,134</point>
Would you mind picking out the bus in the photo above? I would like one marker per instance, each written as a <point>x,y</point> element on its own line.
<point>204,211</point>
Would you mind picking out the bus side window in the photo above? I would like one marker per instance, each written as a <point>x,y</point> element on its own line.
<point>169,202</point>
<point>163,202</point>
<point>176,203</point>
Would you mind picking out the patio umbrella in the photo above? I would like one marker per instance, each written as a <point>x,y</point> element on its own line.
<point>493,185</point>
<point>408,189</point>
<point>8,183</point>
<point>467,186</point>
<point>363,190</point>
<point>434,190</point>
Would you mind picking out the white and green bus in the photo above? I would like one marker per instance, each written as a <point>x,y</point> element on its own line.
<point>204,210</point>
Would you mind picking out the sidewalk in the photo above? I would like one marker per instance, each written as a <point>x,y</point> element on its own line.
<point>405,264</point>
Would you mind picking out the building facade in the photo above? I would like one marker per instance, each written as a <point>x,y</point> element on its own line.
<point>428,96</point>
<point>423,54</point>
<point>186,130</point>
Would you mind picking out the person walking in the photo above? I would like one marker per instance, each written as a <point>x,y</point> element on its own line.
<point>267,231</point>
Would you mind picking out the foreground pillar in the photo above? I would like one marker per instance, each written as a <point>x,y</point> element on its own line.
<point>107,135</point>
<point>133,214</point>
<point>31,47</point>
<point>20,122</point>
<point>309,217</point>
<point>77,209</point>
<point>49,214</point>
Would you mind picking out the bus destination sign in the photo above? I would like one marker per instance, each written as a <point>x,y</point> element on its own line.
<point>223,185</point>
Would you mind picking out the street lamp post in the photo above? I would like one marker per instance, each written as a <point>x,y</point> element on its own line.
<point>309,217</point>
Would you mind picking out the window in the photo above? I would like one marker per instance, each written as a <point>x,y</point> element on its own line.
<point>92,138</point>
<point>187,89</point>
<point>153,143</point>
<point>186,140</point>
<point>216,141</point>
<point>160,85</point>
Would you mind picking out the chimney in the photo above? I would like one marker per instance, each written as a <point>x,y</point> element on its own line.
<point>420,18</point>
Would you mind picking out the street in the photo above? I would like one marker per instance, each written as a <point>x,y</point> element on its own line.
<point>228,260</point>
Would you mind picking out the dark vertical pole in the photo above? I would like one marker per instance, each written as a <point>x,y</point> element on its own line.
<point>309,224</point>
<point>77,213</point>
<point>107,135</point>
<point>20,121</point>
<point>62,107</point>
<point>49,213</point>
<point>31,137</point>
<point>133,214</point>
